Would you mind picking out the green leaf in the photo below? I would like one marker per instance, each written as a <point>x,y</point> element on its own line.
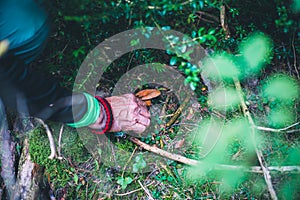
<point>200,31</point>
<point>135,168</point>
<point>75,178</point>
<point>128,180</point>
<point>173,60</point>
<point>211,31</point>
<point>124,182</point>
<point>134,42</point>
<point>139,164</point>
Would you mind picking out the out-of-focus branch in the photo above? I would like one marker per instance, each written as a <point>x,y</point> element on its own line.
<point>223,21</point>
<point>279,130</point>
<point>259,153</point>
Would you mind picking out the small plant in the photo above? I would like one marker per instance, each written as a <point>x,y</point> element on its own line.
<point>139,164</point>
<point>124,181</point>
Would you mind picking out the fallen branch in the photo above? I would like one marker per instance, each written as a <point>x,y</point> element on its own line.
<point>133,191</point>
<point>223,21</point>
<point>59,142</point>
<point>50,137</point>
<point>259,154</point>
<point>146,190</point>
<point>279,130</point>
<point>163,153</point>
<point>214,18</point>
<point>192,162</point>
<point>178,111</point>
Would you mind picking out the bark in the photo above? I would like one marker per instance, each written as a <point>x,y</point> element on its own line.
<point>7,155</point>
<point>31,177</point>
<point>28,181</point>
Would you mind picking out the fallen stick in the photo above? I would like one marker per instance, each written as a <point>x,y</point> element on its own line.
<point>133,191</point>
<point>163,153</point>
<point>59,142</point>
<point>192,162</point>
<point>267,129</point>
<point>50,137</point>
<point>223,21</point>
<point>259,153</point>
<point>178,111</point>
<point>146,190</point>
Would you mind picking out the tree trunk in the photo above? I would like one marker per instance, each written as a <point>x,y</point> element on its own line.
<point>28,181</point>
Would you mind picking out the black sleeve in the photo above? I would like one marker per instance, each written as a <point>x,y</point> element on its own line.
<point>44,97</point>
<point>24,24</point>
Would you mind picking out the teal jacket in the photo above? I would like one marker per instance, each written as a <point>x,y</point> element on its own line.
<point>24,23</point>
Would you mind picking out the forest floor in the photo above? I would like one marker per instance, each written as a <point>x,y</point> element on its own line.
<point>173,159</point>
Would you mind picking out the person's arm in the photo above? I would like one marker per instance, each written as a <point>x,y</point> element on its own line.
<point>44,97</point>
<point>47,100</point>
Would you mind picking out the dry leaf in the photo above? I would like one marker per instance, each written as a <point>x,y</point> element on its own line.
<point>179,144</point>
<point>190,114</point>
<point>148,94</point>
<point>148,102</point>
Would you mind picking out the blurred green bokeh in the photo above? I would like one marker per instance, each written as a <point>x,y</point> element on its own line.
<point>281,87</point>
<point>224,99</point>
<point>256,52</point>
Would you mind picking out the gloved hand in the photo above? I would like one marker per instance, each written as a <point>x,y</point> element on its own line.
<point>129,114</point>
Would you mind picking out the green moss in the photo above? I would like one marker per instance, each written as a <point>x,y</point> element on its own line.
<point>60,171</point>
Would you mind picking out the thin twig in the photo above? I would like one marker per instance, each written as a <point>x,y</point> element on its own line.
<point>209,15</point>
<point>178,111</point>
<point>259,154</point>
<point>169,172</point>
<point>186,2</point>
<point>163,153</point>
<point>164,108</point>
<point>146,190</point>
<point>164,116</point>
<point>59,141</point>
<point>223,21</point>
<point>133,191</point>
<point>295,58</point>
<point>205,20</point>
<point>278,130</point>
<point>50,137</point>
<point>192,162</point>
<point>128,161</point>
